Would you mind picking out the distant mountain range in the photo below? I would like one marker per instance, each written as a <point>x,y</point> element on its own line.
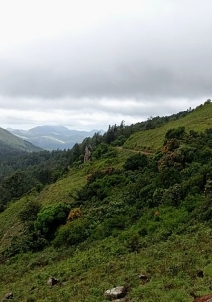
<point>11,143</point>
<point>53,137</point>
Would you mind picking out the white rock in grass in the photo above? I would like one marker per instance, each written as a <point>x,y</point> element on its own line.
<point>116,293</point>
<point>52,281</point>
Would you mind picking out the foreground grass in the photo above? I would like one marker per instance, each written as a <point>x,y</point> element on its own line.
<point>87,272</point>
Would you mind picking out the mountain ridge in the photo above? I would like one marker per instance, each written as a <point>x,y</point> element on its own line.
<point>10,143</point>
<point>53,137</point>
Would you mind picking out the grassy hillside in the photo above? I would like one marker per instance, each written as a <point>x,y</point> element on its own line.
<point>64,190</point>
<point>170,262</point>
<point>152,140</point>
<point>135,219</point>
<point>84,275</point>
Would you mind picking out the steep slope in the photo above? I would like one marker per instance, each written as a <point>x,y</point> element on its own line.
<point>157,258</point>
<point>137,220</point>
<point>198,120</point>
<point>10,143</point>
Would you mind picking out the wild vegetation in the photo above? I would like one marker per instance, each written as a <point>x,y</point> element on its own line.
<point>109,221</point>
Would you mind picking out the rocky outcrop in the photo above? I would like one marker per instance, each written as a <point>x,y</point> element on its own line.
<point>87,155</point>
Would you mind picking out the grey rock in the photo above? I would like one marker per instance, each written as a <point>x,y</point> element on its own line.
<point>87,155</point>
<point>52,281</point>
<point>8,296</point>
<point>116,293</point>
<point>143,277</point>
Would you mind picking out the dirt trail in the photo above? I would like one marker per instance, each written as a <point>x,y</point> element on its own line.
<point>135,151</point>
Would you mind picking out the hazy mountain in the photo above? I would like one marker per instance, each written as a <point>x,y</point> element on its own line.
<point>53,137</point>
<point>10,142</point>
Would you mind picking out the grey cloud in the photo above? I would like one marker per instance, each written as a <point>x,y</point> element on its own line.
<point>90,107</point>
<point>155,62</point>
<point>141,58</point>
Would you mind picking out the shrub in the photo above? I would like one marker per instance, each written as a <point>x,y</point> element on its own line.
<point>176,133</point>
<point>29,211</point>
<point>72,233</point>
<point>74,213</point>
<point>133,242</point>
<point>119,141</point>
<point>49,218</point>
<point>111,226</point>
<point>100,150</point>
<point>136,162</point>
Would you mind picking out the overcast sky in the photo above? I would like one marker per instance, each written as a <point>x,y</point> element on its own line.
<point>86,64</point>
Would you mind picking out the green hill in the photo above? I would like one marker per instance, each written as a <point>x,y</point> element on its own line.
<point>11,143</point>
<point>152,140</point>
<point>123,218</point>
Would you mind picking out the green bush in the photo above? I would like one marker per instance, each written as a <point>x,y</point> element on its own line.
<point>136,162</point>
<point>72,233</point>
<point>176,133</point>
<point>49,218</point>
<point>31,241</point>
<point>110,226</point>
<point>119,141</point>
<point>100,150</point>
<point>29,211</point>
<point>133,243</point>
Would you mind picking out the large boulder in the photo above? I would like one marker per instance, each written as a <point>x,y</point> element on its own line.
<point>116,293</point>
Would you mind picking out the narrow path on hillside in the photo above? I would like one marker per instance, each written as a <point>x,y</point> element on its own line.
<point>135,151</point>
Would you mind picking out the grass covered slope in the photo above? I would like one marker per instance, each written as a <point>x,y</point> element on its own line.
<point>64,190</point>
<point>10,142</point>
<point>85,274</point>
<point>107,222</point>
<point>152,140</point>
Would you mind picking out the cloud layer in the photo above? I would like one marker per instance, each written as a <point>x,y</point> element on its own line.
<point>92,64</point>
